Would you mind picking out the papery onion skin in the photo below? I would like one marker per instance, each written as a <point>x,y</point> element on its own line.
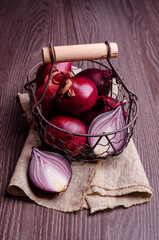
<point>101,78</point>
<point>59,76</point>
<point>48,105</point>
<point>108,122</point>
<point>45,69</point>
<point>65,141</point>
<point>76,96</point>
<point>103,104</point>
<point>49,171</point>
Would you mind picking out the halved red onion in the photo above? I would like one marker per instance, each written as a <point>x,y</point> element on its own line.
<point>49,171</point>
<point>108,122</point>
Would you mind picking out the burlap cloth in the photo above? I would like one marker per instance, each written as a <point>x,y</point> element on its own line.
<point>118,181</point>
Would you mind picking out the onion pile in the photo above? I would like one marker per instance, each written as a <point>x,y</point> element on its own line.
<point>73,103</point>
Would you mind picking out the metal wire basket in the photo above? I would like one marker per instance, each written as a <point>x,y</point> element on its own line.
<point>84,151</point>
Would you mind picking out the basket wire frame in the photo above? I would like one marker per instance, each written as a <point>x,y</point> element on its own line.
<point>83,152</point>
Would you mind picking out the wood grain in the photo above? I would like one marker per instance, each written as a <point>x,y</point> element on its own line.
<point>27,26</point>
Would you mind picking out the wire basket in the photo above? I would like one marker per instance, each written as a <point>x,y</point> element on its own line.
<point>84,151</point>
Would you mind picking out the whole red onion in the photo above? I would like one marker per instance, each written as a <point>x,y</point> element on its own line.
<point>65,141</point>
<point>48,105</point>
<point>61,68</point>
<point>102,79</point>
<point>103,104</point>
<point>76,95</point>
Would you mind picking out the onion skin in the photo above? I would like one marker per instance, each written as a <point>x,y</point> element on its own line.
<point>108,122</point>
<point>64,66</point>
<point>76,96</point>
<point>59,76</point>
<point>44,70</point>
<point>64,141</point>
<point>49,171</point>
<point>101,78</point>
<point>48,105</point>
<point>103,104</point>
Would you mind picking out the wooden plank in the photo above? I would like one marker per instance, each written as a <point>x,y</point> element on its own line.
<point>25,27</point>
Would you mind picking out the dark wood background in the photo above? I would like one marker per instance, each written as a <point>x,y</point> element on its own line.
<point>25,27</point>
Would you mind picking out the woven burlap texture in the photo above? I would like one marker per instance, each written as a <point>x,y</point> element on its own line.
<point>117,181</point>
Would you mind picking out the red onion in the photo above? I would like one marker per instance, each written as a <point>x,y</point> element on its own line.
<point>48,105</point>
<point>76,95</point>
<point>103,104</point>
<point>59,76</point>
<point>65,141</point>
<point>102,79</point>
<point>108,122</point>
<point>49,171</point>
<point>62,69</point>
<point>64,66</point>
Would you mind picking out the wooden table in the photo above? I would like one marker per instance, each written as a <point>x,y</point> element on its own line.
<point>27,26</point>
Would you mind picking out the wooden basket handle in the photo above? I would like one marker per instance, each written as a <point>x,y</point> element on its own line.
<point>81,52</point>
